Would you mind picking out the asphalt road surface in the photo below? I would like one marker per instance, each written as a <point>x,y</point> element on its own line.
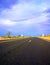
<point>29,51</point>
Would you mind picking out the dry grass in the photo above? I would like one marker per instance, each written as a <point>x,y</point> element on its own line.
<point>3,38</point>
<point>45,38</point>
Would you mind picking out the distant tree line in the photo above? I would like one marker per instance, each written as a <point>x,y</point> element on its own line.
<point>8,34</point>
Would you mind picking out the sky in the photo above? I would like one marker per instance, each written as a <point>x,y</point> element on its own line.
<point>27,17</point>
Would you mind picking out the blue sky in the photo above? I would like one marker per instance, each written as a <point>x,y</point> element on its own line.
<point>27,17</point>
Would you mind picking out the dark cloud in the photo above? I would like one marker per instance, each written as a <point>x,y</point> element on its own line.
<point>7,3</point>
<point>48,15</point>
<point>46,24</point>
<point>47,11</point>
<point>48,21</point>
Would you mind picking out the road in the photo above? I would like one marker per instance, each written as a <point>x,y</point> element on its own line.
<point>28,51</point>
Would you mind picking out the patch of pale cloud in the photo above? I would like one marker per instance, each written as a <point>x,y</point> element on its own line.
<point>25,24</point>
<point>43,6</point>
<point>18,11</point>
<point>7,22</point>
<point>23,10</point>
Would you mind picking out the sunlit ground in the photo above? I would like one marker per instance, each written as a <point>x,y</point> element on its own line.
<point>2,38</point>
<point>42,37</point>
<point>5,38</point>
<point>45,38</point>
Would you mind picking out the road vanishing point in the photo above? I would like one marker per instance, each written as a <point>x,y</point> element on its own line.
<point>28,51</point>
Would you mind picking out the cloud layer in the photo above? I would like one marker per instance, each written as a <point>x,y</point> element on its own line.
<point>24,16</point>
<point>7,3</point>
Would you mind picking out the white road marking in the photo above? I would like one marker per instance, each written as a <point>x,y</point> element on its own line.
<point>4,41</point>
<point>29,41</point>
